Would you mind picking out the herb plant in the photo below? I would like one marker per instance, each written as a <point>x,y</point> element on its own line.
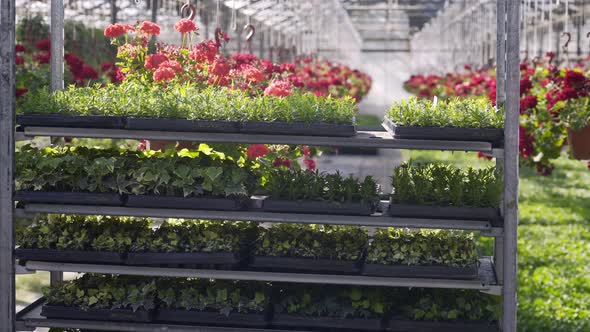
<point>313,241</point>
<point>307,185</point>
<point>93,291</point>
<point>186,101</point>
<point>422,247</point>
<point>445,185</point>
<point>461,113</point>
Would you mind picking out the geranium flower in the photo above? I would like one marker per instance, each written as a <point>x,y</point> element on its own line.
<point>528,103</point>
<point>72,60</point>
<point>525,143</point>
<point>574,79</point>
<point>89,73</point>
<point>525,85</point>
<point>174,65</point>
<point>282,161</point>
<point>278,88</point>
<point>220,67</point>
<point>185,25</point>
<point>42,58</point>
<point>306,151</point>
<point>19,48</point>
<point>115,30</point>
<point>164,74</point>
<point>43,45</point>
<point>251,73</point>
<point>310,163</point>
<point>149,28</point>
<point>19,60</point>
<point>154,61</point>
<point>107,66</point>
<point>205,51</point>
<point>21,91</point>
<point>257,150</point>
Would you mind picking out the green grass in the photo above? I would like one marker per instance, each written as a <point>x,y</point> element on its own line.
<point>554,244</point>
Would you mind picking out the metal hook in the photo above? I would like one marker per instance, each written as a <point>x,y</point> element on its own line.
<point>188,6</point>
<point>569,38</point>
<point>250,33</point>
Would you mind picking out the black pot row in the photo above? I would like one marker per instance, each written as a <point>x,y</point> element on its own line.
<point>244,261</point>
<point>264,320</point>
<point>184,125</point>
<point>265,205</point>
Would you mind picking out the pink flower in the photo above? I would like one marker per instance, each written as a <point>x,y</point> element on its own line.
<point>115,30</point>
<point>257,150</point>
<point>278,88</point>
<point>43,45</point>
<point>164,74</point>
<point>310,163</point>
<point>155,60</point>
<point>142,146</point>
<point>185,25</point>
<point>282,161</point>
<point>219,68</point>
<point>174,65</point>
<point>252,74</point>
<point>149,28</point>
<point>204,51</point>
<point>306,151</point>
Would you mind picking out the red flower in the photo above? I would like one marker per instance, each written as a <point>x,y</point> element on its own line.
<point>310,163</point>
<point>107,66</point>
<point>89,73</point>
<point>483,156</point>
<point>252,74</point>
<point>164,74</point>
<point>282,161</point>
<point>19,60</point>
<point>174,65</point>
<point>567,94</point>
<point>42,58</point>
<point>278,88</point>
<point>220,67</point>
<point>574,79</point>
<point>142,146</point>
<point>21,91</point>
<point>528,103</point>
<point>72,60</point>
<point>19,48</point>
<point>185,25</point>
<point>306,151</point>
<point>525,143</point>
<point>204,51</point>
<point>43,45</point>
<point>149,28</point>
<point>257,150</point>
<point>525,85</point>
<point>155,60</point>
<point>115,30</point>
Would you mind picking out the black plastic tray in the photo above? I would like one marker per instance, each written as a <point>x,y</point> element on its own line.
<point>182,125</point>
<point>416,271</point>
<point>76,198</point>
<point>305,264</point>
<point>349,324</point>
<point>120,315</point>
<point>444,212</point>
<point>211,318</point>
<point>298,128</point>
<point>70,121</point>
<point>183,258</point>
<point>493,135</point>
<point>78,256</point>
<point>318,207</point>
<point>404,325</point>
<point>191,203</point>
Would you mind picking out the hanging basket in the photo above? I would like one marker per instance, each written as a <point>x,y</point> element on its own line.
<point>579,142</point>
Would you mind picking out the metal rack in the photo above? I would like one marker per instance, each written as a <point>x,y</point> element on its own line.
<point>497,274</point>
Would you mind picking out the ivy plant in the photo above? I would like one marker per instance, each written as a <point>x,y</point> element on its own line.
<point>474,112</point>
<point>445,185</point>
<point>313,241</point>
<point>422,247</point>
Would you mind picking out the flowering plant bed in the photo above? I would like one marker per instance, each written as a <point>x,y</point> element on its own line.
<point>76,198</point>
<point>310,248</point>
<point>297,128</point>
<point>70,121</point>
<point>472,119</point>
<point>422,254</point>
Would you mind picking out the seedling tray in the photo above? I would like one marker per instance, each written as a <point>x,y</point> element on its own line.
<point>182,125</point>
<point>417,271</point>
<point>211,318</point>
<point>444,212</point>
<point>405,325</point>
<point>318,207</point>
<point>70,121</point>
<point>493,135</point>
<point>310,265</point>
<point>298,128</point>
<point>183,258</point>
<point>73,256</point>
<point>76,198</point>
<point>191,203</point>
<point>348,324</point>
<point>119,315</point>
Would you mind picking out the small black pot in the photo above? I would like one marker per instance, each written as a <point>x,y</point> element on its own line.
<point>444,212</point>
<point>225,259</point>
<point>119,315</point>
<point>318,207</point>
<point>417,271</point>
<point>492,135</point>
<point>70,121</point>
<point>297,129</point>
<point>69,256</point>
<point>310,265</point>
<point>74,198</point>
<point>182,125</point>
<point>190,203</point>
<point>211,318</point>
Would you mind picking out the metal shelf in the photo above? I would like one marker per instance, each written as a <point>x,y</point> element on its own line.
<point>376,220</point>
<point>368,139</point>
<point>486,281</point>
